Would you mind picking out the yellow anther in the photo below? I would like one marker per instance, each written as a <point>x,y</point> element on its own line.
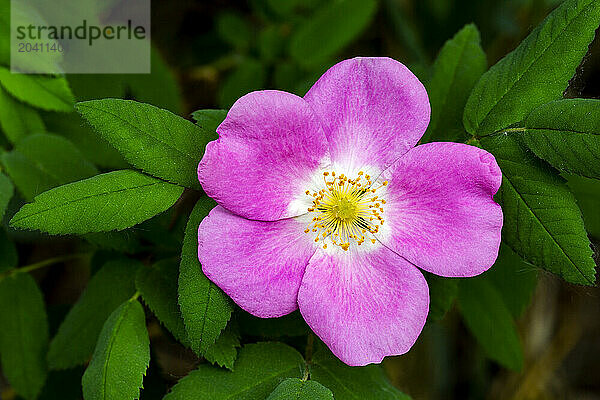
<point>345,210</point>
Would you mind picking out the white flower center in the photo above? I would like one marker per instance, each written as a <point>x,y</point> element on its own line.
<point>347,211</point>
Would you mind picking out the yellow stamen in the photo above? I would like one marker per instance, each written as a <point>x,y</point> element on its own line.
<point>346,210</point>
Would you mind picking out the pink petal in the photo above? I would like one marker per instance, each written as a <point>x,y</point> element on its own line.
<point>440,213</point>
<point>364,305</point>
<point>269,147</point>
<point>258,264</point>
<point>373,111</point>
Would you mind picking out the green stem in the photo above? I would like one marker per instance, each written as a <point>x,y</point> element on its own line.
<point>475,138</point>
<point>308,354</point>
<point>513,130</point>
<point>42,264</point>
<point>473,141</point>
<point>135,296</point>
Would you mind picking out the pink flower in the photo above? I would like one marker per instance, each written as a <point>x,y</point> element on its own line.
<point>325,205</point>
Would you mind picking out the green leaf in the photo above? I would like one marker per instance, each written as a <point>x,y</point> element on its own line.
<point>4,32</point>
<point>233,30</point>
<point>152,139</point>
<point>112,201</point>
<point>403,25</point>
<point>164,234</point>
<point>9,257</point>
<point>204,307</point>
<point>77,335</point>
<point>456,70</point>
<point>352,383</point>
<point>24,334</point>
<point>566,133</point>
<point>224,350</point>
<point>17,119</point>
<point>514,279</point>
<point>121,357</point>
<point>536,72</point>
<point>126,241</point>
<point>47,93</point>
<point>41,162</point>
<point>331,31</point>
<point>587,193</point>
<point>442,292</point>
<point>7,190</point>
<point>297,389</point>
<point>258,370</point>
<point>271,40</point>
<point>542,222</point>
<point>158,287</point>
<point>490,321</point>
<point>249,75</point>
<point>91,145</point>
<point>209,120</point>
<point>26,14</point>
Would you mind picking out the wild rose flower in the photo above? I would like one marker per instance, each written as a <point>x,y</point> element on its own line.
<point>325,205</point>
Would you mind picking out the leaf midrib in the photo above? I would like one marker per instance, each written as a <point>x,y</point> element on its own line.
<point>111,342</point>
<point>562,130</point>
<point>204,317</point>
<point>83,199</point>
<point>139,130</point>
